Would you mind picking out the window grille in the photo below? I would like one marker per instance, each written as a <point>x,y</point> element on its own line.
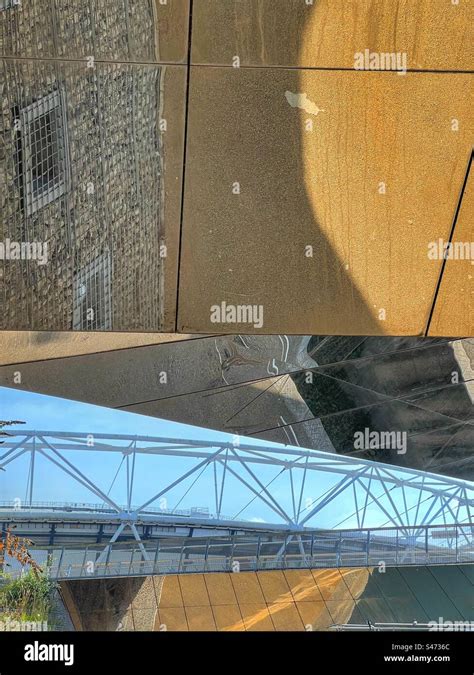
<point>44,156</point>
<point>7,4</point>
<point>92,296</point>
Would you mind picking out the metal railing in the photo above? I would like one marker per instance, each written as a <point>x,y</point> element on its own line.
<point>86,507</point>
<point>449,626</point>
<point>431,545</point>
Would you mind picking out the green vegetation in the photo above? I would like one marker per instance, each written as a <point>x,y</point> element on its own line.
<point>26,598</point>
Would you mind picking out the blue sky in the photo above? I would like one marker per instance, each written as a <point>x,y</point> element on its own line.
<point>53,413</point>
<point>48,413</point>
<point>152,472</point>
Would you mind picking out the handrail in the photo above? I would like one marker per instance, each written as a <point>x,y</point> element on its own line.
<point>250,551</point>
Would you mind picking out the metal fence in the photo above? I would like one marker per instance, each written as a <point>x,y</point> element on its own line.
<point>448,626</point>
<point>87,507</point>
<point>267,551</point>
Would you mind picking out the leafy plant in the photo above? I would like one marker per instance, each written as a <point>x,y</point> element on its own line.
<point>29,597</point>
<point>16,547</point>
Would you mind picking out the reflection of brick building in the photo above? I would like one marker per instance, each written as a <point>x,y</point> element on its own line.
<point>81,163</point>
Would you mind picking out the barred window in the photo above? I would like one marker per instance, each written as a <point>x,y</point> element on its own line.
<point>6,4</point>
<point>92,296</point>
<point>44,155</point>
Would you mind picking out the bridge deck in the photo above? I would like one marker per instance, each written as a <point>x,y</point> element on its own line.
<point>81,544</point>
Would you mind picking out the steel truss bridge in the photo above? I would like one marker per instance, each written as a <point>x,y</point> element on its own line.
<point>319,509</point>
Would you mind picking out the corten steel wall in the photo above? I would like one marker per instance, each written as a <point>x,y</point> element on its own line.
<point>294,600</point>
<point>366,167</point>
<point>111,211</point>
